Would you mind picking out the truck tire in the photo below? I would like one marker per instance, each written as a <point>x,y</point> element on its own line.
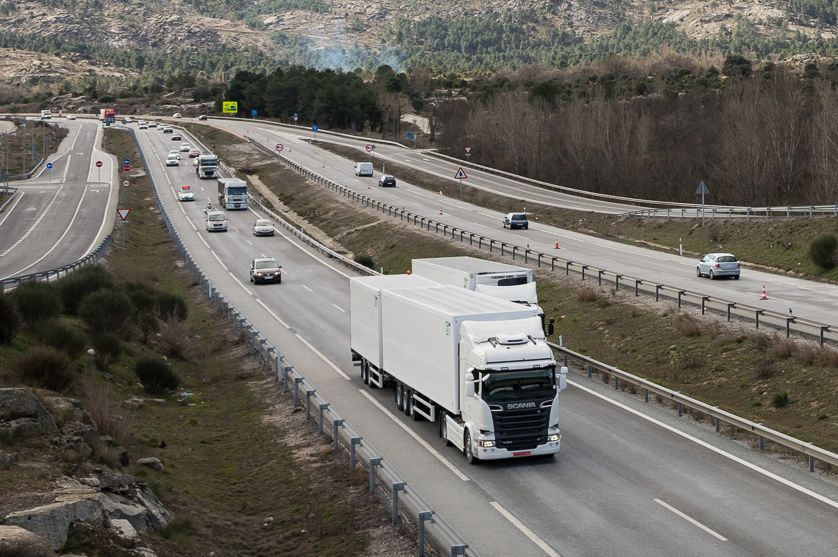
<point>467,452</point>
<point>408,402</point>
<point>443,427</point>
<point>399,393</point>
<point>365,372</point>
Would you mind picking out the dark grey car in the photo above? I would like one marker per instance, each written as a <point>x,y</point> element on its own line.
<point>265,269</point>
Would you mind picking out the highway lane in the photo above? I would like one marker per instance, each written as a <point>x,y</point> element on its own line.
<point>604,494</point>
<point>63,213</point>
<point>807,299</point>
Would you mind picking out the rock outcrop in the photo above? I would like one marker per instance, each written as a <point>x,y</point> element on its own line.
<point>23,415</point>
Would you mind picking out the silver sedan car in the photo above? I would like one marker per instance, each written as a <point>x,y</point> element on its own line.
<point>263,227</point>
<point>715,265</point>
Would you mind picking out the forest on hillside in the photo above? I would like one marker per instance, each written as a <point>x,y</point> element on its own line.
<point>756,137</point>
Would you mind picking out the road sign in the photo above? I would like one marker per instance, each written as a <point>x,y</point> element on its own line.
<point>254,113</point>
<point>126,167</point>
<point>98,164</point>
<point>229,107</point>
<point>369,147</point>
<point>702,189</point>
<point>279,147</point>
<point>410,136</point>
<point>315,128</point>
<point>468,150</point>
<point>126,161</point>
<point>461,174</point>
<point>49,166</point>
<point>296,117</point>
<point>123,214</point>
<point>125,183</point>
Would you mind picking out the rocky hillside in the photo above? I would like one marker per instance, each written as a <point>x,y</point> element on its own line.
<point>213,36</point>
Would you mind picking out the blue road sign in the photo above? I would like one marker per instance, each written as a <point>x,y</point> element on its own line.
<point>126,161</point>
<point>49,166</point>
<point>410,136</point>
<point>253,113</point>
<point>315,128</point>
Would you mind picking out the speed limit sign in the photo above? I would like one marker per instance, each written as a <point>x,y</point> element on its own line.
<point>98,164</point>
<point>369,147</point>
<point>279,147</point>
<point>126,183</point>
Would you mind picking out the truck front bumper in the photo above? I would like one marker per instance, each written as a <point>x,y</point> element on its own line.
<point>494,453</point>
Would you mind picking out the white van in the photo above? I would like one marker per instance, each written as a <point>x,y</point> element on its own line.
<point>363,169</point>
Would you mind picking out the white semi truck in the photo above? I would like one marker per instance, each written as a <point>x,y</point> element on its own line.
<point>232,193</point>
<point>507,282</point>
<point>478,366</point>
<point>206,166</point>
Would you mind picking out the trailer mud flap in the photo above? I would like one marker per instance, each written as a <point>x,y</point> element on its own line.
<point>455,432</point>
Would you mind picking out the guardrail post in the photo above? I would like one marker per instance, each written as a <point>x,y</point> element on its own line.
<point>680,409</point>
<point>788,213</point>
<point>757,313</point>
<point>526,253</point>
<point>567,268</point>
<point>297,381</point>
<point>352,442</point>
<point>811,463</point>
<point>704,303</point>
<point>637,283</point>
<point>539,259</point>
<point>680,293</point>
<point>617,282</point>
<point>590,371</point>
<point>322,407</point>
<point>395,487</point>
<point>335,425</point>
<point>553,263</point>
<point>616,383</point>
<point>423,516</point>
<point>584,267</point>
<point>789,321</point>
<point>718,425</point>
<point>730,305</point>
<point>285,370</point>
<point>657,292</point>
<point>645,394</point>
<point>599,277</point>
<point>823,328</point>
<point>373,464</point>
<point>491,245</point>
<point>309,394</point>
<point>761,442</point>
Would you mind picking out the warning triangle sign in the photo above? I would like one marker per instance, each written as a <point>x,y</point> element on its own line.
<point>123,213</point>
<point>461,174</point>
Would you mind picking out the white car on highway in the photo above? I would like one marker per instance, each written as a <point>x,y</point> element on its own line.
<point>185,193</point>
<point>216,221</point>
<point>173,160</point>
<point>185,147</point>
<point>174,152</point>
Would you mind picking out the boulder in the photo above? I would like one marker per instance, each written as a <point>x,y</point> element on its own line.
<point>121,508</point>
<point>152,462</point>
<point>52,521</point>
<point>87,432</point>
<point>158,515</point>
<point>23,415</point>
<point>124,530</point>
<point>68,410</point>
<point>20,542</point>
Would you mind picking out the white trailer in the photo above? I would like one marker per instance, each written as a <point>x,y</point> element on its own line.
<point>499,280</point>
<point>478,366</point>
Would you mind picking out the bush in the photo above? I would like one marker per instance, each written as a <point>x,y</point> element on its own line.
<point>365,260</point>
<point>780,399</point>
<point>108,347</point>
<point>45,367</point>
<point>106,310</point>
<point>586,294</point>
<point>824,251</point>
<point>156,375</point>
<point>64,338</point>
<point>37,302</point>
<point>10,320</point>
<point>81,283</point>
<point>687,325</point>
<point>143,296</point>
<point>171,306</point>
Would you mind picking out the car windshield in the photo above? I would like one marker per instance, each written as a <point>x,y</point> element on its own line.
<point>517,385</point>
<point>237,190</point>
<point>266,264</point>
<point>216,217</point>
<point>263,222</point>
<point>726,259</point>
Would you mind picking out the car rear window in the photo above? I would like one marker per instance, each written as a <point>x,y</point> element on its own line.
<point>726,259</point>
<point>519,217</point>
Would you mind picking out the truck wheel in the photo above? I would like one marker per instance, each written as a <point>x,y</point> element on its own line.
<point>399,396</point>
<point>365,372</point>
<point>467,452</point>
<point>443,427</point>
<point>408,402</point>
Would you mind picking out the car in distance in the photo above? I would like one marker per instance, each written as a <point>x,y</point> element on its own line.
<point>387,181</point>
<point>152,124</point>
<point>177,115</point>
<point>202,117</point>
<point>176,137</point>
<point>71,116</point>
<point>142,126</point>
<point>263,227</point>
<point>185,193</point>
<point>216,221</point>
<point>166,129</point>
<point>265,269</point>
<point>516,220</point>
<point>172,160</point>
<point>185,147</point>
<point>717,265</point>
<point>174,152</point>
<point>194,153</point>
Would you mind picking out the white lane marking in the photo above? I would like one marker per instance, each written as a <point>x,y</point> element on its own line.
<point>195,228</point>
<point>36,223</point>
<point>307,288</point>
<point>246,289</point>
<point>706,445</point>
<point>339,308</point>
<point>249,242</point>
<point>275,316</point>
<point>12,208</point>
<point>219,260</point>
<point>415,436</point>
<point>203,241</point>
<point>524,530</point>
<point>487,215</point>
<point>691,520</point>
<point>182,210</point>
<point>522,237</point>
<point>322,357</point>
<point>66,169</point>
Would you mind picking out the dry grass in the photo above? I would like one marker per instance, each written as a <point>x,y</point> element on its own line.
<point>104,407</point>
<point>687,325</point>
<point>587,294</point>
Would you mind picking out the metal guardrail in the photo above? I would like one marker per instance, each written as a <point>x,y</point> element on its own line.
<point>729,212</point>
<point>719,416</point>
<point>384,480</point>
<point>28,174</point>
<point>745,312</point>
<point>57,273</point>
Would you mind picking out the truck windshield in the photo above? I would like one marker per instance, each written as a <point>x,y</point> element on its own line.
<point>209,162</point>
<point>237,190</point>
<point>517,385</point>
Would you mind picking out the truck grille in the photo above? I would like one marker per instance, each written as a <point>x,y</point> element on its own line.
<point>521,429</point>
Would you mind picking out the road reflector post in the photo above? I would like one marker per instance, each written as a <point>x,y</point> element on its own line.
<point>789,321</point>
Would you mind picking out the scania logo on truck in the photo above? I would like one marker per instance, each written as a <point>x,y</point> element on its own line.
<point>520,405</point>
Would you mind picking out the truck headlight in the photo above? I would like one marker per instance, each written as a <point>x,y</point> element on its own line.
<point>554,437</point>
<point>487,443</point>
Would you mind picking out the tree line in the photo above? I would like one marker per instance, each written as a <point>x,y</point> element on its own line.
<point>768,136</point>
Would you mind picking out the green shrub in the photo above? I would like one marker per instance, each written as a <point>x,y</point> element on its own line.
<point>780,399</point>
<point>824,251</point>
<point>143,296</point>
<point>63,337</point>
<point>171,306</point>
<point>37,302</point>
<point>45,367</point>
<point>108,347</point>
<point>81,283</point>
<point>106,310</point>
<point>10,320</point>
<point>156,375</point>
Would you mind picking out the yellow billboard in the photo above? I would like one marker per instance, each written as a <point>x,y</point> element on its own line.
<point>230,107</point>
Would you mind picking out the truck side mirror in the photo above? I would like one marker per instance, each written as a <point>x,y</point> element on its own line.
<point>563,378</point>
<point>469,384</point>
<point>551,327</point>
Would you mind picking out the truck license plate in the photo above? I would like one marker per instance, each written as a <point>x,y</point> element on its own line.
<point>522,453</point>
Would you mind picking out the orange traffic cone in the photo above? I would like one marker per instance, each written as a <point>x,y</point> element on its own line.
<point>764,296</point>
<point>557,245</point>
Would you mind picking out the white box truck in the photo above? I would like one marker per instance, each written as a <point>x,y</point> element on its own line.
<point>499,280</point>
<point>232,193</point>
<point>478,366</point>
<point>363,169</point>
<point>206,166</point>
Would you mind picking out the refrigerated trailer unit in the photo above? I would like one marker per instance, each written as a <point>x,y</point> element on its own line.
<point>478,366</point>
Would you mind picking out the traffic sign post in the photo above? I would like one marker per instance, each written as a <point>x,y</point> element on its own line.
<point>369,148</point>
<point>461,175</point>
<point>296,117</point>
<point>123,217</point>
<point>702,190</point>
<point>49,172</point>
<point>411,137</point>
<point>468,154</point>
<point>279,147</point>
<point>314,129</point>
<point>98,171</point>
